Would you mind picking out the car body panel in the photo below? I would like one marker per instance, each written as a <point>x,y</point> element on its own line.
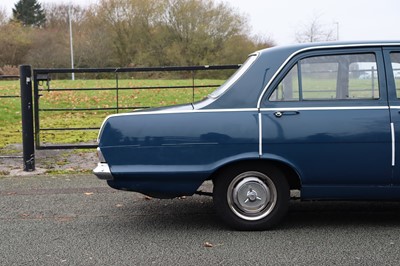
<point>190,147</point>
<point>318,150</point>
<point>339,149</point>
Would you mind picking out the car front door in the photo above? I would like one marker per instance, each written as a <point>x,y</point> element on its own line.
<point>327,116</point>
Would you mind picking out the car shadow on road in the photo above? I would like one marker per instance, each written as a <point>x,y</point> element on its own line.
<point>192,213</point>
<point>342,214</point>
<point>197,213</point>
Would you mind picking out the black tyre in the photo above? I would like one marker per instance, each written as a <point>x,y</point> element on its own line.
<point>251,197</point>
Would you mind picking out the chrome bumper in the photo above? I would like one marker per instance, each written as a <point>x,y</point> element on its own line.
<point>102,171</point>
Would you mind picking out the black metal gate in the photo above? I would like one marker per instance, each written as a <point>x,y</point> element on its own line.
<point>42,86</point>
<point>39,81</point>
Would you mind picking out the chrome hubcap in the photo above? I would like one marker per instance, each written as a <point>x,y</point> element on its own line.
<point>252,195</point>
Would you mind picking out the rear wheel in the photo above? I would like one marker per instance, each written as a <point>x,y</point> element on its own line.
<point>251,198</point>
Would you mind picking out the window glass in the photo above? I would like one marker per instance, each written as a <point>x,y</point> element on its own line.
<point>319,77</point>
<point>288,88</point>
<point>395,58</point>
<point>227,85</point>
<point>332,77</point>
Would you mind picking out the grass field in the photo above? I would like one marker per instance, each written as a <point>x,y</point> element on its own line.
<point>10,114</point>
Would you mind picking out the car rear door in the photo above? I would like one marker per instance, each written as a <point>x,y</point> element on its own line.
<point>327,115</point>
<point>392,64</point>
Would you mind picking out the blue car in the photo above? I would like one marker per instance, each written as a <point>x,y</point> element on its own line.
<point>321,119</point>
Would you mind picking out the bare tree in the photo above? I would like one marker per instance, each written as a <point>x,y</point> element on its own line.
<point>132,33</point>
<point>315,31</point>
<point>57,15</point>
<point>15,42</point>
<point>199,29</point>
<point>130,24</point>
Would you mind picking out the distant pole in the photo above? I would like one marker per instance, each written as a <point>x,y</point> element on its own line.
<point>70,41</point>
<point>337,31</point>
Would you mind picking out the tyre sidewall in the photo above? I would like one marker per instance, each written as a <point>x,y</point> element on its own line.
<point>221,204</point>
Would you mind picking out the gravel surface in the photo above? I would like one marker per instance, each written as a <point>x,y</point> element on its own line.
<point>47,161</point>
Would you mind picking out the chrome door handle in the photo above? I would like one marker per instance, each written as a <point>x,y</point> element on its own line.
<point>281,113</point>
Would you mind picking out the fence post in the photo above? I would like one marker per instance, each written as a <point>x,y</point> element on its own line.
<point>27,117</point>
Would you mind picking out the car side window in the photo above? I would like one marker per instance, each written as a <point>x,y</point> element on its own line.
<point>395,58</point>
<point>331,77</point>
<point>288,88</point>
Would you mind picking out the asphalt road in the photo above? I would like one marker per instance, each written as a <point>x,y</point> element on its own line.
<point>78,220</point>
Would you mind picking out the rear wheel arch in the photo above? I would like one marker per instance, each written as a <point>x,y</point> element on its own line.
<point>290,174</point>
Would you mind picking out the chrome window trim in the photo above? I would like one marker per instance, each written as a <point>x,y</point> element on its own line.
<point>187,112</point>
<point>250,110</point>
<point>260,135</point>
<point>393,144</point>
<point>330,108</point>
<point>339,46</point>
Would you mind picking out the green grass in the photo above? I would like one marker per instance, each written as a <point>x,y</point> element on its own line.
<point>10,109</point>
<point>10,114</point>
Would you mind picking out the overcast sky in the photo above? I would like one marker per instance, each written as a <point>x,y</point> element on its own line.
<point>281,19</point>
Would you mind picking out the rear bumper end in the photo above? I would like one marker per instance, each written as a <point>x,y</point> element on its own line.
<point>102,171</point>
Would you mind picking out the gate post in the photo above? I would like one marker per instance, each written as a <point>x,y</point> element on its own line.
<point>27,117</point>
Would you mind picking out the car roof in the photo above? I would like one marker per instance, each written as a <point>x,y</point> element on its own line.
<point>332,44</point>
<point>245,93</point>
